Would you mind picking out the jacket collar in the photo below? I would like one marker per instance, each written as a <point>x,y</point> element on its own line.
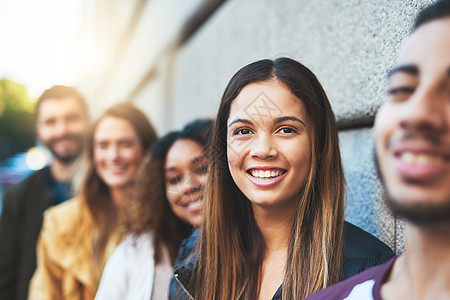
<point>72,248</point>
<point>185,276</point>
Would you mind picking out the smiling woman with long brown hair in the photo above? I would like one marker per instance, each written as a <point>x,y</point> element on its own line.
<point>274,208</point>
<point>79,235</point>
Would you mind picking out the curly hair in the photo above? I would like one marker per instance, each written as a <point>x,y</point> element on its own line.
<point>149,208</point>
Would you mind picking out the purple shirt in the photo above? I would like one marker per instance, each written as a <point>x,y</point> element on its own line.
<point>364,286</point>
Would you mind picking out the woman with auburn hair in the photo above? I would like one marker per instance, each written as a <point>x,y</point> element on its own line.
<point>79,235</point>
<point>274,208</point>
<point>166,205</point>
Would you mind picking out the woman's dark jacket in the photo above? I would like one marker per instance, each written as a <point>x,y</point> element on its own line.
<point>361,251</point>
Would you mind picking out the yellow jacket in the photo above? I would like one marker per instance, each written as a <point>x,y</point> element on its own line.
<point>64,254</point>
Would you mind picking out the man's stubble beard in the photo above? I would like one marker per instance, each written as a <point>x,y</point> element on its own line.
<point>424,213</point>
<point>67,159</point>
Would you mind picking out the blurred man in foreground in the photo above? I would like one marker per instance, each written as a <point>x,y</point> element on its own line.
<point>61,120</point>
<point>412,131</point>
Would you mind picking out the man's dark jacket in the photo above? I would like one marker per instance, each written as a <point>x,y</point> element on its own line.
<point>361,251</point>
<point>20,224</point>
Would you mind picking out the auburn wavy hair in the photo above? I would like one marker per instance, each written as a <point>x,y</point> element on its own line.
<point>231,247</point>
<point>149,208</point>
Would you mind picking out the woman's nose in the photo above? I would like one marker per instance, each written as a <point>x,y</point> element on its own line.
<point>191,185</point>
<point>263,147</point>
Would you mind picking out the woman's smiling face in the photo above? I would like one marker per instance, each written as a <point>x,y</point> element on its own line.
<point>185,176</point>
<point>269,144</point>
<point>117,151</point>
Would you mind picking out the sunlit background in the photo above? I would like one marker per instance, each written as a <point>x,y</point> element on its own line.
<point>40,42</point>
<point>110,50</point>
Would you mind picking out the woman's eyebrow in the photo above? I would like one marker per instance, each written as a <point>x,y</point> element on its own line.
<point>199,158</point>
<point>170,169</point>
<point>288,118</point>
<point>245,121</point>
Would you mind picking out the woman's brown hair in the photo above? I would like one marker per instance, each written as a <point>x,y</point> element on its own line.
<point>95,192</point>
<point>231,247</point>
<point>149,208</point>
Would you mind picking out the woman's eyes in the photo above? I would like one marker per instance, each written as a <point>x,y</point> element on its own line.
<point>202,169</point>
<point>282,130</point>
<point>122,144</point>
<point>127,144</point>
<point>173,180</point>
<point>102,145</point>
<point>242,131</point>
<point>287,130</point>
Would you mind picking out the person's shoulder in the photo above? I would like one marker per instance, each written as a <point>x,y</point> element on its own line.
<point>358,242</point>
<point>37,176</point>
<point>185,266</point>
<point>187,247</point>
<point>132,244</point>
<point>66,217</point>
<point>29,194</point>
<point>35,180</point>
<point>361,286</point>
<point>71,207</point>
<point>360,247</point>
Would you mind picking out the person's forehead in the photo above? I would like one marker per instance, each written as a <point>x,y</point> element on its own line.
<point>115,128</point>
<point>59,106</point>
<point>429,44</point>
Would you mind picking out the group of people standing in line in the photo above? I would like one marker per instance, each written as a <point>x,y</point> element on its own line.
<point>249,205</point>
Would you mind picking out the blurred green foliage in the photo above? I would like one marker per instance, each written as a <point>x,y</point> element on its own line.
<point>16,121</point>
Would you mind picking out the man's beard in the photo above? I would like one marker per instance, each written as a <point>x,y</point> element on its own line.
<point>420,213</point>
<point>417,213</point>
<point>69,158</point>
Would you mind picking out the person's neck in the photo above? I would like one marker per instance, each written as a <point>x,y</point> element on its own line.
<point>275,227</point>
<point>423,271</point>
<point>119,196</point>
<point>62,172</point>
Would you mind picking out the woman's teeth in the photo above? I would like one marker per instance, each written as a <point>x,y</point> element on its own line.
<point>266,174</point>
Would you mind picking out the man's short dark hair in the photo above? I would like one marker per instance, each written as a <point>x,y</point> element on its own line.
<point>438,10</point>
<point>59,92</point>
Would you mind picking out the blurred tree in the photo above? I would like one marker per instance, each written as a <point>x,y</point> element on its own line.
<point>16,123</point>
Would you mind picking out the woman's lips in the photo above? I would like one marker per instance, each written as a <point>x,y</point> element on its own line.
<point>266,177</point>
<point>117,170</point>
<point>194,204</point>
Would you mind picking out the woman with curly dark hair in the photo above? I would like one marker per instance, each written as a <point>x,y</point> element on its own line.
<point>166,207</point>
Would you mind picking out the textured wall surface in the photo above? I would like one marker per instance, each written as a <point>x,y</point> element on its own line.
<point>365,206</point>
<point>350,45</point>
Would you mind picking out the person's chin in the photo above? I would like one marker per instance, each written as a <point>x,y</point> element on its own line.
<point>114,183</point>
<point>66,155</point>
<point>66,158</point>
<point>420,212</point>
